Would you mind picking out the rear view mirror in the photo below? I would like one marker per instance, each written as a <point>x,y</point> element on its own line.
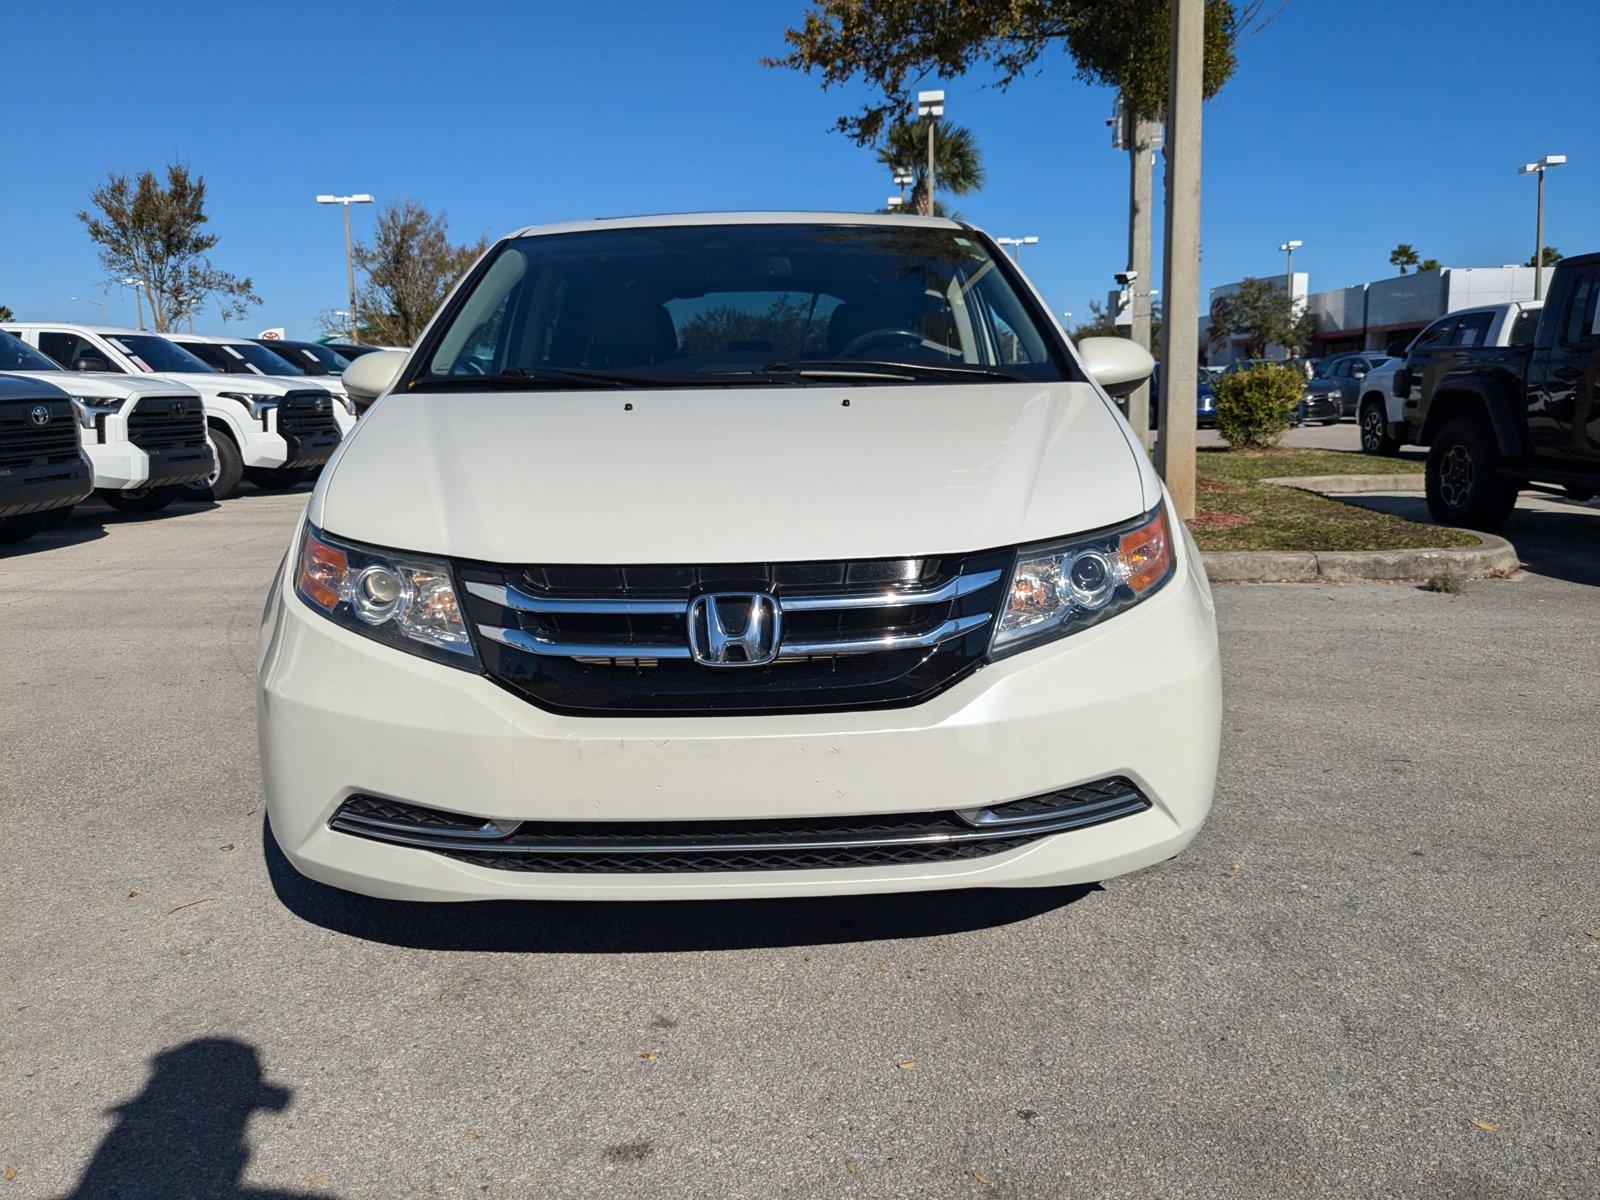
<point>371,375</point>
<point>1116,364</point>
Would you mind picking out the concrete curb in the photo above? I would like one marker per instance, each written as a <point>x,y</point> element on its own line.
<point>1493,558</point>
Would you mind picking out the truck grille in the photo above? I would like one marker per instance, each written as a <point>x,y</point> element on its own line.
<point>26,443</point>
<point>618,641</point>
<point>163,422</point>
<point>795,844</point>
<point>307,415</point>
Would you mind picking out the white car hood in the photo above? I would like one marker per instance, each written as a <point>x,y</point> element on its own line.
<point>95,383</point>
<point>214,382</point>
<point>731,474</point>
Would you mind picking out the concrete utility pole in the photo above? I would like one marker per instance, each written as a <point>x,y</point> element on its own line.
<point>930,107</point>
<point>1180,350</point>
<point>1139,138</point>
<point>1288,248</point>
<point>349,260</point>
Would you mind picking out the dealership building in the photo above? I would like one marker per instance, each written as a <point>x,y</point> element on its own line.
<point>1387,313</point>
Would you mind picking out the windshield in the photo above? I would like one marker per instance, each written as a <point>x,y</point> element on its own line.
<point>259,359</point>
<point>151,353</point>
<point>741,304</point>
<point>309,357</point>
<point>17,355</point>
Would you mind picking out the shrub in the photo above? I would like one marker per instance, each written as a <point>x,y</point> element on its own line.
<point>1255,406</point>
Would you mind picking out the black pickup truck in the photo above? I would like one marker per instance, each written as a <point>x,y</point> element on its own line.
<point>43,472</point>
<point>1501,419</point>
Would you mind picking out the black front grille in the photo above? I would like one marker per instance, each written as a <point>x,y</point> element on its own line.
<point>656,847</point>
<point>307,415</point>
<point>614,640</point>
<point>163,422</point>
<point>26,443</point>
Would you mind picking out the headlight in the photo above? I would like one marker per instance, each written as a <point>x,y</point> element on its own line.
<point>88,408</point>
<point>1058,588</point>
<point>258,404</point>
<point>404,600</point>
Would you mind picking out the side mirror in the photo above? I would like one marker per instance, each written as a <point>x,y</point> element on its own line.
<point>91,362</point>
<point>1115,363</point>
<point>371,375</point>
<point>1358,372</point>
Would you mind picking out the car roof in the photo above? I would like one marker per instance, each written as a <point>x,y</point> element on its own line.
<point>671,220</point>
<point>206,339</point>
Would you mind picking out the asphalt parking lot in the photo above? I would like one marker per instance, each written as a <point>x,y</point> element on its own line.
<point>1377,972</point>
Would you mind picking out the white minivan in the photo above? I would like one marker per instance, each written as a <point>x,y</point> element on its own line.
<point>767,554</point>
<point>272,431</point>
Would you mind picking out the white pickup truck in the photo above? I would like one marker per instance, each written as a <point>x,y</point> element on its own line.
<point>272,431</point>
<point>239,356</point>
<point>1381,409</point>
<point>144,438</point>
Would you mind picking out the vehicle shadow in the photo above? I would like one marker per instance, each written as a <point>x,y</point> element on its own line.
<point>184,1134</point>
<point>1553,536</point>
<point>647,927</point>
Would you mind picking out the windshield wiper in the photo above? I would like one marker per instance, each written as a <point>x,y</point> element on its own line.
<point>851,368</point>
<point>520,377</point>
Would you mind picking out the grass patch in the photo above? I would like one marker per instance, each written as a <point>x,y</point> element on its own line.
<point>1235,511</point>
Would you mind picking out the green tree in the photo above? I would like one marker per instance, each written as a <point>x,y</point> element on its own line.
<point>1404,255</point>
<point>957,161</point>
<point>1429,264</point>
<point>895,46</point>
<point>1550,257</point>
<point>154,233</point>
<point>1101,324</point>
<point>6,314</point>
<point>410,265</point>
<point>1262,315</point>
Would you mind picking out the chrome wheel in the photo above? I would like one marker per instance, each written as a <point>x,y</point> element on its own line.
<point>1371,430</point>
<point>1456,477</point>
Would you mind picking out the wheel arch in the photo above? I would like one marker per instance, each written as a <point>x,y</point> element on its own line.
<point>1474,400</point>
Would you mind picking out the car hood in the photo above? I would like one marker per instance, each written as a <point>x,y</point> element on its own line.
<point>95,383</point>
<point>732,474</point>
<point>213,382</point>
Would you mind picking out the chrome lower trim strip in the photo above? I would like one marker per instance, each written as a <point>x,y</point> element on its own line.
<point>987,817</point>
<point>515,598</point>
<point>951,589</point>
<point>955,627</point>
<point>1076,818</point>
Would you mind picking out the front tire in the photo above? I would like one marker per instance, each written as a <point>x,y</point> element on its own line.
<point>1463,477</point>
<point>276,479</point>
<point>1375,435</point>
<point>224,479</point>
<point>140,500</point>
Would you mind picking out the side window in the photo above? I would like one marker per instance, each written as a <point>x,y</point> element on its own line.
<point>1437,334</point>
<point>1523,328</point>
<point>1473,330</point>
<point>76,353</point>
<point>1583,320</point>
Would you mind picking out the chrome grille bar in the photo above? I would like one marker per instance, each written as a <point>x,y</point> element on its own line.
<point>791,648</point>
<point>552,648</point>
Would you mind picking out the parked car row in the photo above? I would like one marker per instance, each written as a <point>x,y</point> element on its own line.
<point>142,419</point>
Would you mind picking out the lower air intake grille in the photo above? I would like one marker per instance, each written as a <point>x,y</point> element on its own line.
<point>797,844</point>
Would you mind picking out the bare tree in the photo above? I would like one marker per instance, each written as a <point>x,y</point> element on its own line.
<point>411,265</point>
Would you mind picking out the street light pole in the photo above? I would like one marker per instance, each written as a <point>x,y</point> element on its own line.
<point>1180,331</point>
<point>930,106</point>
<point>349,260</point>
<point>1288,249</point>
<point>138,297</point>
<point>85,300</point>
<point>1539,168</point>
<point>1014,246</point>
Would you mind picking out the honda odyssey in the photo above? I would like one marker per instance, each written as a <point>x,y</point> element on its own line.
<point>738,555</point>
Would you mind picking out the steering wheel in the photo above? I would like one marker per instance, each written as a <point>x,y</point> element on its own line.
<point>873,337</point>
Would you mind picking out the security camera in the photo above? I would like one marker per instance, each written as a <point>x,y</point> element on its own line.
<point>1126,277</point>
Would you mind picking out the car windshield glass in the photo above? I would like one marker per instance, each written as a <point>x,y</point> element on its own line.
<point>780,304</point>
<point>311,358</point>
<point>151,353</point>
<point>17,355</point>
<point>259,359</point>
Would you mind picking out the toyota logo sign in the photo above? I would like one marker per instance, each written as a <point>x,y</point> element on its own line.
<point>39,415</point>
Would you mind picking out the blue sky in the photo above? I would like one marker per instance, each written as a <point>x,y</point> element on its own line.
<point>1351,125</point>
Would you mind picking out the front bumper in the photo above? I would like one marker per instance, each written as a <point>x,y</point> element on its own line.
<point>1137,696</point>
<point>26,490</point>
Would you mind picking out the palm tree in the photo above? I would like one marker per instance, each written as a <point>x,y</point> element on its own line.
<point>957,162</point>
<point>1404,255</point>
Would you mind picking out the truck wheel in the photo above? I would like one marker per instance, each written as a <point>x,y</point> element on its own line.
<point>140,500</point>
<point>275,479</point>
<point>1375,437</point>
<point>1463,480</point>
<point>1581,494</point>
<point>224,479</point>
